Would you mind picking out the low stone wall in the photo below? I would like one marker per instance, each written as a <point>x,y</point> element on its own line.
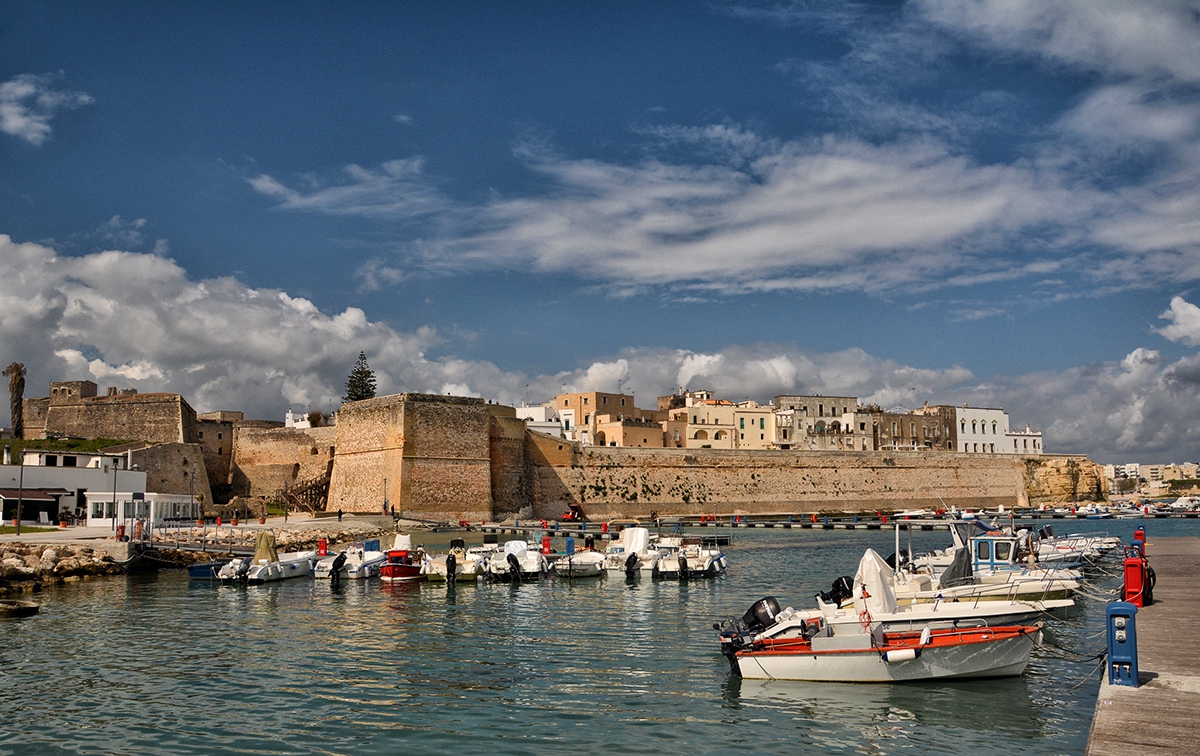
<point>266,460</point>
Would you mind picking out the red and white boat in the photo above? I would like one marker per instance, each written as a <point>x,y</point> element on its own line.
<point>402,562</point>
<point>873,654</point>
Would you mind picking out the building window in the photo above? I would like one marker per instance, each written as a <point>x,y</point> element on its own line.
<point>566,402</point>
<point>622,402</point>
<point>742,423</point>
<point>585,400</point>
<point>70,461</point>
<point>762,423</point>
<point>218,436</point>
<point>51,460</point>
<point>201,434</point>
<point>219,451</point>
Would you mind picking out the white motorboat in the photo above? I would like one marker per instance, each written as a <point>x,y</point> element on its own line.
<point>873,603</point>
<point>579,564</point>
<point>1186,503</point>
<point>355,562</point>
<point>465,564</point>
<point>268,565</point>
<point>519,561</point>
<point>696,557</point>
<point>758,649</point>
<point>632,553</point>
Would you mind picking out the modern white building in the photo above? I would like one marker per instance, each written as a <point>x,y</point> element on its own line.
<point>542,419</point>
<point>984,430</point>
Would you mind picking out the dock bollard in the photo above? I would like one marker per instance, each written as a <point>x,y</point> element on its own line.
<point>1122,644</point>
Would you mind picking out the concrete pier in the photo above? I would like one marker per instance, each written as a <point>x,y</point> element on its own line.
<point>1160,715</point>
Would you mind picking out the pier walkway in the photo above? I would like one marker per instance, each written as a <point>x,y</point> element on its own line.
<point>1160,716</point>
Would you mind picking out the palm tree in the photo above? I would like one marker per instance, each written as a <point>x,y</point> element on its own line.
<point>16,391</point>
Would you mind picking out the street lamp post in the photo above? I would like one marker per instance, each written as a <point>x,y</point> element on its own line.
<point>114,499</point>
<point>20,490</point>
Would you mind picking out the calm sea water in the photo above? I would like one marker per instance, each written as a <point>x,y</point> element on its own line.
<point>153,664</point>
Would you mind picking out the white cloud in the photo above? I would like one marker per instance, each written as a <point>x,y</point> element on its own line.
<point>1143,38</point>
<point>131,319</point>
<point>1185,322</point>
<point>29,101</point>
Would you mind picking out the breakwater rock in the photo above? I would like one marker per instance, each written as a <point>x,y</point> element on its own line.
<point>25,568</point>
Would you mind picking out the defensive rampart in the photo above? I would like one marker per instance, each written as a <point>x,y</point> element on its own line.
<point>615,482</point>
<point>267,460</point>
<point>422,453</point>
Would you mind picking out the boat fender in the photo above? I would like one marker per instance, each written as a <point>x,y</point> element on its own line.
<point>901,654</point>
<point>926,635</point>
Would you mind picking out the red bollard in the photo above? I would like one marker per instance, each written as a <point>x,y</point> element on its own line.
<point>322,547</point>
<point>218,522</point>
<point>546,545</point>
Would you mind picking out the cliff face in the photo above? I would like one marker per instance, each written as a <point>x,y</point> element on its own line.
<point>1064,479</point>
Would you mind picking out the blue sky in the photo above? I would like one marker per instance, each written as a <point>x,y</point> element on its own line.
<point>991,202</point>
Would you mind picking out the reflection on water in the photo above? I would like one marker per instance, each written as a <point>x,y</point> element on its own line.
<point>154,664</point>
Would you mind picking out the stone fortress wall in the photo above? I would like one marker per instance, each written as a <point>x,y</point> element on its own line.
<point>424,453</point>
<point>459,458</point>
<point>628,482</point>
<point>266,460</point>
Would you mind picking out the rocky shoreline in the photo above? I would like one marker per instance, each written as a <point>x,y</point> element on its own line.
<point>28,568</point>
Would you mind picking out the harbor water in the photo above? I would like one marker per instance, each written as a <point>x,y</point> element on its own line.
<point>154,664</point>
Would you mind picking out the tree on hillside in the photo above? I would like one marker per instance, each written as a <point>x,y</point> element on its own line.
<point>16,392</point>
<point>361,383</point>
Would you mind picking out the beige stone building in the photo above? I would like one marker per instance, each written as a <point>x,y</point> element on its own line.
<point>580,413</point>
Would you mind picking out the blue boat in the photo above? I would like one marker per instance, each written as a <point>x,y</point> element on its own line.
<point>206,570</point>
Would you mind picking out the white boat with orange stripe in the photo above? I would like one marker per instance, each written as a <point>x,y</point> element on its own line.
<point>875,655</point>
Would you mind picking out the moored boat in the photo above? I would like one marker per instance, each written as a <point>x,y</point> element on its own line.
<point>819,653</point>
<point>206,570</point>
<point>356,562</point>
<point>519,561</point>
<point>402,562</point>
<point>268,565</point>
<point>18,608</point>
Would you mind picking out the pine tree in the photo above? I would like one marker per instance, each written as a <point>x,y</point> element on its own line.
<point>361,383</point>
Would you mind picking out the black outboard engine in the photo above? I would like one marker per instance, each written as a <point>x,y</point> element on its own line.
<point>683,568</point>
<point>335,572</point>
<point>632,564</point>
<point>451,564</point>
<point>243,569</point>
<point>736,632</point>
<point>514,568</point>
<point>895,563</point>
<point>842,589</point>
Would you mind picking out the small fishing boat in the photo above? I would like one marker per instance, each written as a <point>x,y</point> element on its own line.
<point>402,562</point>
<point>357,561</point>
<point>465,564</point>
<point>18,608</point>
<point>268,565</point>
<point>520,561</point>
<point>632,553</point>
<point>819,653</point>
<point>580,564</point>
<point>206,570</point>
<point>695,557</point>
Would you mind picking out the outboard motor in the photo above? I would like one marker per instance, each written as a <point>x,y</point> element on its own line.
<point>631,566</point>
<point>451,564</point>
<point>683,568</point>
<point>243,569</point>
<point>736,632</point>
<point>514,568</point>
<point>842,589</point>
<point>339,561</point>
<point>895,563</point>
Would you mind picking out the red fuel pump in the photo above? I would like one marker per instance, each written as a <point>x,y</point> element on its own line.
<point>1139,577</point>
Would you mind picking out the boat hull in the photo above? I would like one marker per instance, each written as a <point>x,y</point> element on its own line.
<point>989,652</point>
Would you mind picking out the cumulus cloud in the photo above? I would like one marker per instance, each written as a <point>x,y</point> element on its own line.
<point>29,101</point>
<point>137,319</point>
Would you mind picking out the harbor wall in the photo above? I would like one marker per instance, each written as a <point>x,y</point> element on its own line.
<point>627,482</point>
<point>459,458</point>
